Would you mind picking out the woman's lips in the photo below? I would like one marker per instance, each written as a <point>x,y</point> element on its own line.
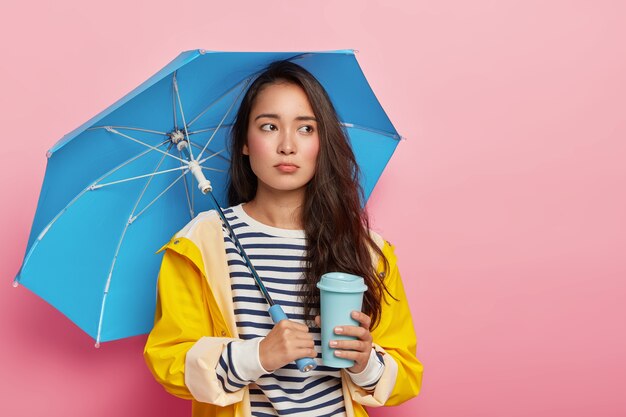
<point>286,167</point>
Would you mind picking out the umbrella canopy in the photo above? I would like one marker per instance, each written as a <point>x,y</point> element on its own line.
<point>120,185</point>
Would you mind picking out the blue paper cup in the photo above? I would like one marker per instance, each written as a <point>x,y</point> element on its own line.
<point>340,295</point>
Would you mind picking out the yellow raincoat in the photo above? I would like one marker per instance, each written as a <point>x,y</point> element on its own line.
<point>195,319</point>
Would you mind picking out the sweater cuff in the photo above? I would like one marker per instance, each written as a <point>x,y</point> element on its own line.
<point>245,361</point>
<point>369,376</point>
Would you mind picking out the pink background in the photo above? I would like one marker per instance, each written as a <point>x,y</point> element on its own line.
<point>506,202</point>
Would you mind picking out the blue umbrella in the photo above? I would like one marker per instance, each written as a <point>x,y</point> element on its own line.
<point>123,183</point>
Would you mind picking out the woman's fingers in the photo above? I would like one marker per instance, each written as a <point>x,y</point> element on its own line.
<point>359,349</point>
<point>292,325</point>
<point>286,342</point>
<point>357,345</point>
<point>354,355</point>
<point>362,318</point>
<point>358,332</point>
<point>307,352</point>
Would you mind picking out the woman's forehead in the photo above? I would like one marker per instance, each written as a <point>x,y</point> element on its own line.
<point>282,100</point>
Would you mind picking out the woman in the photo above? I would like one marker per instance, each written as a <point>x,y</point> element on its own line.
<point>295,207</point>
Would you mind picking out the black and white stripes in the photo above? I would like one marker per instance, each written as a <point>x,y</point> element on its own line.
<point>277,255</point>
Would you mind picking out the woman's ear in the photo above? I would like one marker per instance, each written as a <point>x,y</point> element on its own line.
<point>245,149</point>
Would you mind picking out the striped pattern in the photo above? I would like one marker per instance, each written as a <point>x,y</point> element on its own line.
<point>277,254</point>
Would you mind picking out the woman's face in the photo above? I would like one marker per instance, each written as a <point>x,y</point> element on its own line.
<point>283,140</point>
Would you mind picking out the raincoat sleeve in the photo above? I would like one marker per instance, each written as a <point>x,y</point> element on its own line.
<point>179,351</point>
<point>394,339</point>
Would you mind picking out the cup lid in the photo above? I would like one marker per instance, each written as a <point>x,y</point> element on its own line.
<point>341,282</point>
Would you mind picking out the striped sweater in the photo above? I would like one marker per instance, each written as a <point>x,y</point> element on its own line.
<point>278,256</point>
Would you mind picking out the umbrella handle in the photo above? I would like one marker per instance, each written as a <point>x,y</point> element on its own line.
<point>303,364</point>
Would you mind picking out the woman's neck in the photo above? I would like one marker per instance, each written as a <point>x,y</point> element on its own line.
<point>276,209</point>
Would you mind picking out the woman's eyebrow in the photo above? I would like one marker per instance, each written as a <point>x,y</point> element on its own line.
<point>306,118</point>
<point>268,115</point>
<point>275,116</point>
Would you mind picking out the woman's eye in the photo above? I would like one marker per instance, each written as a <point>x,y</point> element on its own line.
<point>306,129</point>
<point>268,127</point>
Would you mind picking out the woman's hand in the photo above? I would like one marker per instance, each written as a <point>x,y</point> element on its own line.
<point>358,350</point>
<point>285,343</point>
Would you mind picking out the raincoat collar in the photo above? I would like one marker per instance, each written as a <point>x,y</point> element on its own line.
<point>202,242</point>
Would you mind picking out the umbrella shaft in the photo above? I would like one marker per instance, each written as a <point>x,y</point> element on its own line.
<point>243,253</point>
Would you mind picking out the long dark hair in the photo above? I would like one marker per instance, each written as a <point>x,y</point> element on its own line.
<point>335,225</point>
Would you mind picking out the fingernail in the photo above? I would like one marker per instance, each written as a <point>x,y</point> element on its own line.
<point>338,353</point>
<point>338,330</point>
<point>355,314</point>
<point>333,343</point>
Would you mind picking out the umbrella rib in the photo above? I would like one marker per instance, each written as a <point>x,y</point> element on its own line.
<point>97,186</point>
<point>211,156</point>
<point>217,100</point>
<point>122,165</point>
<point>174,104</point>
<point>182,113</point>
<point>208,129</point>
<point>369,129</point>
<point>150,180</point>
<point>119,245</point>
<point>216,153</point>
<point>64,209</point>
<point>112,130</point>
<point>224,118</point>
<point>213,169</point>
<point>192,195</point>
<point>189,203</point>
<point>156,132</point>
<point>132,219</point>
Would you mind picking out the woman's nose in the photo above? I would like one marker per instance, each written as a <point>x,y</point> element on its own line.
<point>287,144</point>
